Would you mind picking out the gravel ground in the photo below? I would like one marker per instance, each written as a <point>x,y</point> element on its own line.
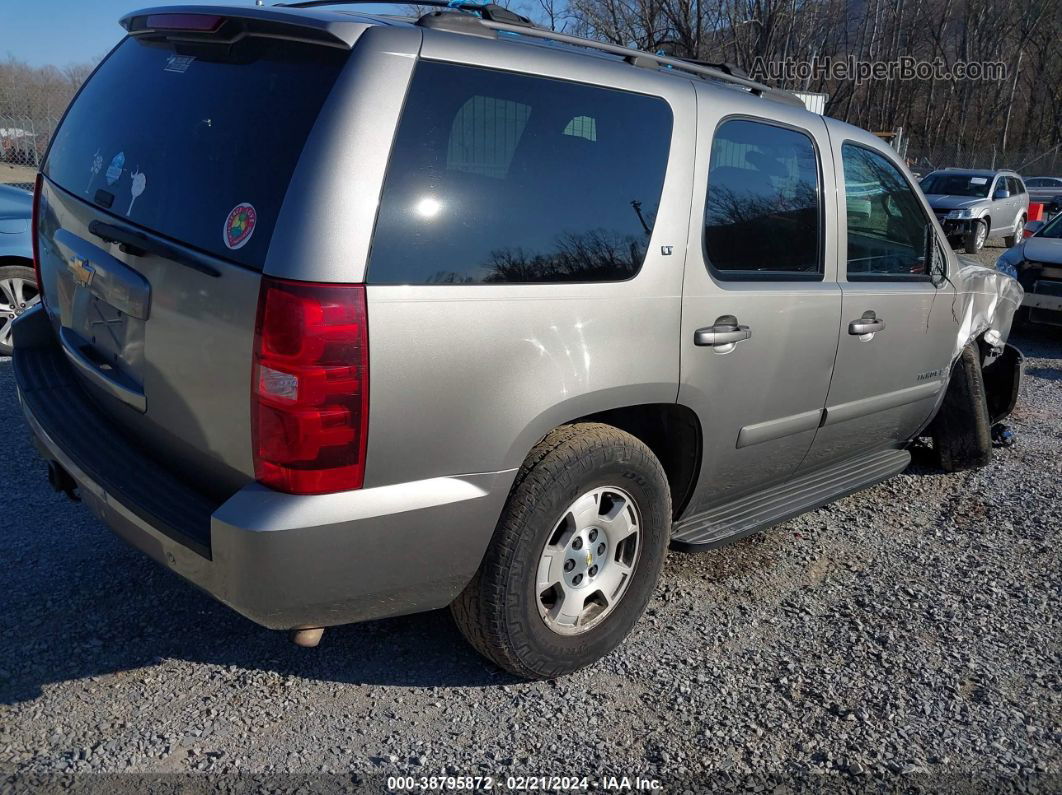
<point>906,637</point>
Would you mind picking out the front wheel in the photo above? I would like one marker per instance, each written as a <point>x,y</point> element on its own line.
<point>962,429</point>
<point>975,239</point>
<point>575,556</point>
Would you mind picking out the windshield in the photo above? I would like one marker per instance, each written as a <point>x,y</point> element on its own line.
<point>957,185</point>
<point>195,144</point>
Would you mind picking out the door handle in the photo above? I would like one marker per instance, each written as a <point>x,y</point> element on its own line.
<point>868,324</point>
<point>721,334</point>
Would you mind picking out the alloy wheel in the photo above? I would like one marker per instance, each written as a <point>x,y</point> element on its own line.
<point>16,296</point>
<point>589,560</point>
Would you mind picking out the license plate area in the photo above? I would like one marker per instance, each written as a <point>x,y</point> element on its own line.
<point>103,304</point>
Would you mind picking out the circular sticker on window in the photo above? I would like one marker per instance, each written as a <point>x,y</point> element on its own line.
<point>239,226</point>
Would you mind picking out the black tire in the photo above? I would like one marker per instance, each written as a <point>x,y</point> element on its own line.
<point>1010,241</point>
<point>962,431</point>
<point>498,612</point>
<point>972,241</point>
<point>9,272</point>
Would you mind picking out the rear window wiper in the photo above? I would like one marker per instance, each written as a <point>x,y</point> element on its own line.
<point>137,244</point>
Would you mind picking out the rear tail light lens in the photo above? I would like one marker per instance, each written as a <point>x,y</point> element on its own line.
<point>35,225</point>
<point>310,390</point>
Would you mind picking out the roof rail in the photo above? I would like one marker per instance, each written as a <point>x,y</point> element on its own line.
<point>647,60</point>
<point>494,17</point>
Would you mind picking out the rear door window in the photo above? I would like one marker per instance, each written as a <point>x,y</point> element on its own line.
<point>763,210</point>
<point>197,145</point>
<point>499,177</point>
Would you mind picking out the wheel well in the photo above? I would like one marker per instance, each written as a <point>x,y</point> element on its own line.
<point>672,432</point>
<point>8,261</point>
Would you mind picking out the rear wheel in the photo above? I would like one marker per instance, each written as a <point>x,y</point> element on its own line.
<point>18,292</point>
<point>1010,241</point>
<point>975,239</point>
<point>962,430</point>
<point>575,556</point>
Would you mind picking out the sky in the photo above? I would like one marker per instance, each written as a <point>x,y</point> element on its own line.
<point>62,32</point>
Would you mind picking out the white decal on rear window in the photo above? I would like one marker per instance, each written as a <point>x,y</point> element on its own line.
<point>178,63</point>
<point>978,180</point>
<point>114,170</point>
<point>239,226</point>
<point>97,164</point>
<point>139,183</point>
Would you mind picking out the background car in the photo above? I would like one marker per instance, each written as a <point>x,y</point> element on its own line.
<point>18,286</point>
<point>1047,191</point>
<point>1037,264</point>
<point>972,205</point>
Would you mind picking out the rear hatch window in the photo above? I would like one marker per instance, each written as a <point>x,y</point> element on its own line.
<point>195,142</point>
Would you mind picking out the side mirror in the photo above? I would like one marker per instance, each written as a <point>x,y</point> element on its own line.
<point>1001,194</point>
<point>1032,227</point>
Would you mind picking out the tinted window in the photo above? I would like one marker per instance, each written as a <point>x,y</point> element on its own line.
<point>176,142</point>
<point>500,177</point>
<point>763,206</point>
<point>887,229</point>
<point>1016,188</point>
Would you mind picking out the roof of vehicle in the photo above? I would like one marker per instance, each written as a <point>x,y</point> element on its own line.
<point>974,172</point>
<point>338,23</point>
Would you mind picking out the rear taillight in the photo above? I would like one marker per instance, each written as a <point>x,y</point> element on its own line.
<point>310,390</point>
<point>34,228</point>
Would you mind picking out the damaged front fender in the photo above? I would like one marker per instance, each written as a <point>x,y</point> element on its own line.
<point>990,299</point>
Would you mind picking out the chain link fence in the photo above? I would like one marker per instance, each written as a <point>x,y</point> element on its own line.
<point>23,142</point>
<point>1035,163</point>
<point>32,100</point>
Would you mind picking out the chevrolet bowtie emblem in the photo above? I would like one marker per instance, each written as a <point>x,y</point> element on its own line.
<point>82,270</point>
<point>589,558</point>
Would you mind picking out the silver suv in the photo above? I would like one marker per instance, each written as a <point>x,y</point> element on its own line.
<point>972,205</point>
<point>352,316</point>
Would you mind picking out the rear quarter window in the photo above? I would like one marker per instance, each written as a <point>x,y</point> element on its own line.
<point>174,140</point>
<point>498,177</point>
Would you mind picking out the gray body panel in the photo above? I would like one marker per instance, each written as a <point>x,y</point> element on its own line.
<point>464,380</point>
<point>759,402</point>
<point>175,367</point>
<point>494,368</point>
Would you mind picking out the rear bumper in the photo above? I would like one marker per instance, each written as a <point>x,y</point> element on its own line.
<point>282,560</point>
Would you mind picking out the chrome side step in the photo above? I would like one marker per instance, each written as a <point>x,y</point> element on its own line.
<point>738,518</point>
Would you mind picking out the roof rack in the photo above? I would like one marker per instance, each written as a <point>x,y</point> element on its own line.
<point>496,18</point>
<point>653,61</point>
